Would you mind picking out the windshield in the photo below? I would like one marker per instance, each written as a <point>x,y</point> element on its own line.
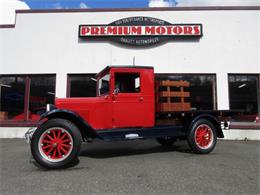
<point>103,85</point>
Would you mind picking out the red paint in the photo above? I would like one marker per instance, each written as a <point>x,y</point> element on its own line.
<point>56,144</point>
<point>203,136</point>
<point>134,109</point>
<point>117,110</point>
<point>96,111</point>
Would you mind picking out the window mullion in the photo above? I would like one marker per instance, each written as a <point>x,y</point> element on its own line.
<point>27,98</point>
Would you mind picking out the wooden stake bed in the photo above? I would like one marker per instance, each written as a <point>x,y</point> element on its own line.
<point>170,96</point>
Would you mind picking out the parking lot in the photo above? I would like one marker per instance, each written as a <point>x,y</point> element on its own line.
<point>136,167</point>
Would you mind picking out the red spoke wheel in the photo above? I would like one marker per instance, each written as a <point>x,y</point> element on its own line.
<point>202,137</point>
<point>56,144</point>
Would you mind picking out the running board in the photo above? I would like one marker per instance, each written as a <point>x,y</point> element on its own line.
<point>140,133</point>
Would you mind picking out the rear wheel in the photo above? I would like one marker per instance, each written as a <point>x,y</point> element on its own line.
<point>202,137</point>
<point>166,141</point>
<point>56,144</point>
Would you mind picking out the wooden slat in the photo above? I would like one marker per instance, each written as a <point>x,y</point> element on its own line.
<point>174,94</point>
<point>174,83</point>
<point>168,107</point>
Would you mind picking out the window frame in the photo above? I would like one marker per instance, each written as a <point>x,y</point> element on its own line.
<point>98,87</point>
<point>247,125</point>
<point>68,86</point>
<point>245,74</point>
<point>214,92</point>
<point>26,122</point>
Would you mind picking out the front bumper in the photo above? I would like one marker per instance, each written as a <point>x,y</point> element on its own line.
<point>28,135</point>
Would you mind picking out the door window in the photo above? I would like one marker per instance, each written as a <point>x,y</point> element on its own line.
<point>127,82</point>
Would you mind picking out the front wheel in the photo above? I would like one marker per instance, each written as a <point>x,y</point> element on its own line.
<point>202,137</point>
<point>56,144</point>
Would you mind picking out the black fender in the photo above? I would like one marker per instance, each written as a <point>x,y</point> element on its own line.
<point>85,129</point>
<point>209,117</point>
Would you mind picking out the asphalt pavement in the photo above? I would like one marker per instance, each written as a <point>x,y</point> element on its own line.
<point>136,167</point>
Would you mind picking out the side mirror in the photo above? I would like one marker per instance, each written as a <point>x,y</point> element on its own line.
<point>116,91</point>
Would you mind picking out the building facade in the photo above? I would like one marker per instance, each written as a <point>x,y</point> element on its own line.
<point>47,54</point>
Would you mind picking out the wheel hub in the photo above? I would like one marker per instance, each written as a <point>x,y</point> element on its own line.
<point>54,145</point>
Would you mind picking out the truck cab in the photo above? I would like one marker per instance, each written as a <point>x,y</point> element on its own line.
<point>125,99</point>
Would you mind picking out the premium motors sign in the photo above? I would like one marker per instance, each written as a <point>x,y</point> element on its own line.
<point>140,31</point>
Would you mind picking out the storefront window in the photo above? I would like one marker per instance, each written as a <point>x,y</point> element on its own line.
<point>24,98</point>
<point>12,93</point>
<point>81,85</point>
<point>42,92</point>
<point>244,95</point>
<point>202,89</point>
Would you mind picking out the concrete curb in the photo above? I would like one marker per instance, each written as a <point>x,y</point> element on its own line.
<point>242,134</point>
<point>13,132</point>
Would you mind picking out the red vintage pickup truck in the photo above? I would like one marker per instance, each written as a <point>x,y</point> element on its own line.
<point>130,104</point>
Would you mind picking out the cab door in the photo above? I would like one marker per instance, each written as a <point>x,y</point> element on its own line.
<point>127,99</point>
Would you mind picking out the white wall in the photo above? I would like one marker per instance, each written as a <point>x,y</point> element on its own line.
<point>48,43</point>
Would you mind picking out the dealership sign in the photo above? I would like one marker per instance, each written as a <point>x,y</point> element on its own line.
<point>140,31</point>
